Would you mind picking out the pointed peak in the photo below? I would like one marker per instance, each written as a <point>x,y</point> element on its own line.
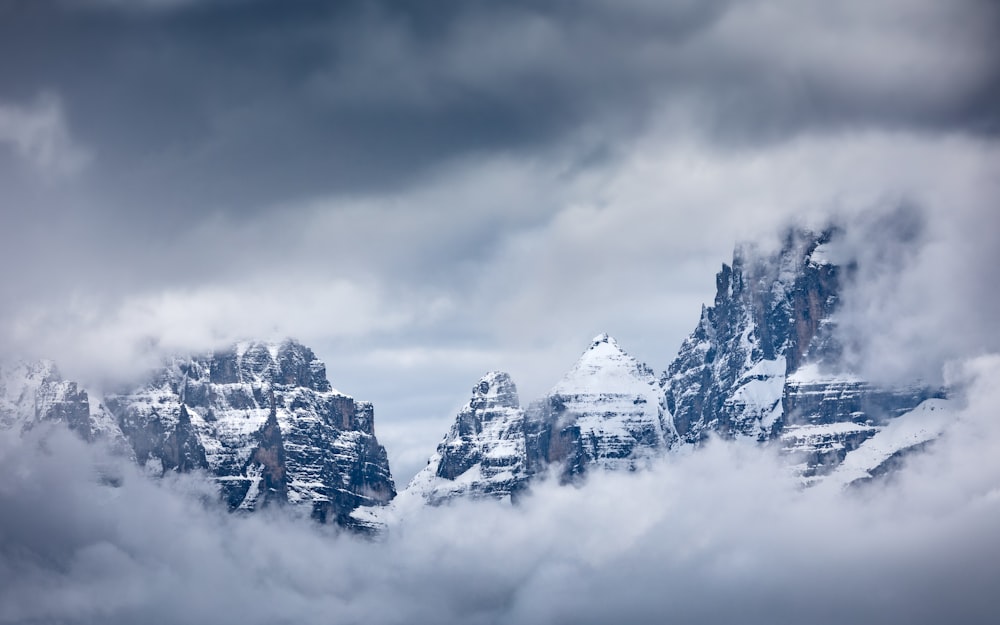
<point>492,379</point>
<point>604,362</point>
<point>495,387</point>
<point>603,346</point>
<point>604,337</point>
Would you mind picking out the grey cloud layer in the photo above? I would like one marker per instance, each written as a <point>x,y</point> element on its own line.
<point>722,535</point>
<point>234,105</point>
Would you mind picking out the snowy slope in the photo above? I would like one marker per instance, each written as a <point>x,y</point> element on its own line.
<point>606,411</point>
<point>904,433</point>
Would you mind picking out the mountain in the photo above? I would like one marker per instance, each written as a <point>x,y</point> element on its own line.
<point>606,411</point>
<point>764,363</point>
<point>264,421</point>
<point>483,454</point>
<point>261,419</point>
<point>32,394</point>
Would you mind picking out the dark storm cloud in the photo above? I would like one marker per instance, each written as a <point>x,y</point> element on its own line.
<point>234,105</point>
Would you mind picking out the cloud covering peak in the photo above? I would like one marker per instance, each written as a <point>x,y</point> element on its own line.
<point>657,544</point>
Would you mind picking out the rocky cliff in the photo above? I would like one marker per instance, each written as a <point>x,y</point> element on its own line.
<point>32,394</point>
<point>261,419</point>
<point>764,361</point>
<point>483,454</point>
<point>265,422</point>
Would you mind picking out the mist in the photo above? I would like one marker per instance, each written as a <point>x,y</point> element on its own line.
<point>721,535</point>
<point>424,192</point>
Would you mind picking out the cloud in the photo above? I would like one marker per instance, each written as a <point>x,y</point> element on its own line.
<point>667,543</point>
<point>360,97</point>
<point>917,300</point>
<point>120,342</point>
<point>496,181</point>
<point>39,136</point>
<point>512,264</point>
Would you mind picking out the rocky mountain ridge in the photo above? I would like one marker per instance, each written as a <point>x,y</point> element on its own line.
<point>260,419</point>
<point>763,363</point>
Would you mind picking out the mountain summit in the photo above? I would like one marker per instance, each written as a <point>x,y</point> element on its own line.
<point>605,411</point>
<point>260,418</point>
<point>764,363</point>
<point>483,453</point>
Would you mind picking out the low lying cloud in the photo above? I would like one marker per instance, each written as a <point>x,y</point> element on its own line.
<point>721,535</point>
<point>98,342</point>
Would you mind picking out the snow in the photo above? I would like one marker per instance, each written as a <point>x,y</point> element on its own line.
<point>811,373</point>
<point>497,440</point>
<point>19,385</point>
<point>254,473</point>
<point>758,396</point>
<point>922,424</point>
<point>822,437</point>
<point>605,369</point>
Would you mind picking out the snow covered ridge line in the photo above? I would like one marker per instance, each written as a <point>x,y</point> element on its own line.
<point>261,418</point>
<point>763,363</point>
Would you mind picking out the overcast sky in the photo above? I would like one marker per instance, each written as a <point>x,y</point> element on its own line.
<point>426,191</point>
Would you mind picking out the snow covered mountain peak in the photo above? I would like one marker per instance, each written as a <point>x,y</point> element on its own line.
<point>263,419</point>
<point>605,368</point>
<point>482,455</point>
<point>496,389</point>
<point>603,337</point>
<point>35,392</point>
<point>606,411</point>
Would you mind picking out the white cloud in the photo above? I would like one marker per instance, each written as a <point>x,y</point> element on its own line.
<point>721,535</point>
<point>94,340</point>
<point>499,263</point>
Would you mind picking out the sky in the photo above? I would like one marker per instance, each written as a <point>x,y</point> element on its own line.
<point>423,192</point>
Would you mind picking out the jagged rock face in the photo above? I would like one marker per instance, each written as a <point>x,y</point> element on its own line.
<point>483,455</point>
<point>34,393</point>
<point>264,420</point>
<point>764,361</point>
<point>828,417</point>
<point>729,375</point>
<point>606,411</point>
